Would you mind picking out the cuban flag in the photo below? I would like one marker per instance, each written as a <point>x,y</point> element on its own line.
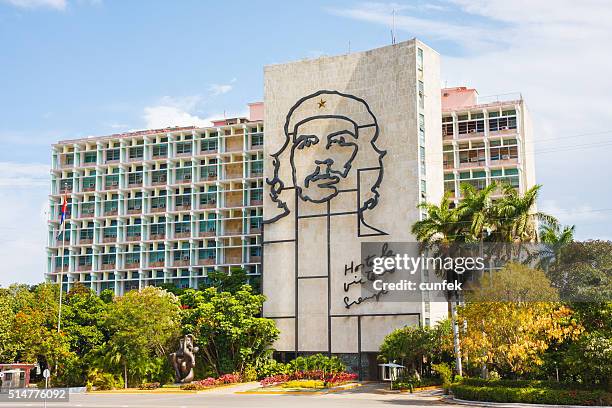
<point>62,215</point>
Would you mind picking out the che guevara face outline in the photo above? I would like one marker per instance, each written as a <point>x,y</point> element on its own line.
<point>322,153</point>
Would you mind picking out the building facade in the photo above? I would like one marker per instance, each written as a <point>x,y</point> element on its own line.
<point>352,147</point>
<point>158,206</point>
<point>485,141</point>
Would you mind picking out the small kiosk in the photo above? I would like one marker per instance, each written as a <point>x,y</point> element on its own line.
<point>15,375</point>
<point>391,372</point>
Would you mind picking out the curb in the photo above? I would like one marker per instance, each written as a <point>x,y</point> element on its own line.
<point>451,400</point>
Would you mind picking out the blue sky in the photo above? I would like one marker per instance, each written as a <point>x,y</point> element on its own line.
<point>70,68</point>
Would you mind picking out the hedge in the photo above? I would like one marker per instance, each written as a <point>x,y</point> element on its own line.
<point>479,382</point>
<point>531,395</point>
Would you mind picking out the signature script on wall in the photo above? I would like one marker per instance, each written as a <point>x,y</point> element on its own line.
<point>329,150</point>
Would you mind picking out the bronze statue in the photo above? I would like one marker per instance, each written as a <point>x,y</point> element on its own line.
<point>183,359</point>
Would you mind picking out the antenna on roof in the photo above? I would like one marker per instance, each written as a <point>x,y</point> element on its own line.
<point>349,48</point>
<point>393,27</point>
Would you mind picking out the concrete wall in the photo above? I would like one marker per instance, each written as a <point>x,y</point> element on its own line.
<point>309,246</point>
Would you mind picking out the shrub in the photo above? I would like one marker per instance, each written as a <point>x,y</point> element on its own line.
<point>407,383</point>
<point>103,381</point>
<point>304,384</point>
<point>317,362</point>
<point>201,384</point>
<point>479,382</point>
<point>229,379</point>
<point>149,386</point>
<point>445,373</point>
<point>531,395</point>
<point>336,378</point>
<point>270,367</point>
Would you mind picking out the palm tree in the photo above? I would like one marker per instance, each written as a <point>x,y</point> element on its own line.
<point>475,211</point>
<point>515,220</point>
<point>437,231</point>
<point>441,224</point>
<point>555,240</point>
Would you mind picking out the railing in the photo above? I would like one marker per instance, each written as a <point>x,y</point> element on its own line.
<point>185,234</point>
<point>207,233</point>
<point>233,259</point>
<point>206,261</point>
<point>180,263</point>
<point>134,237</point>
<point>106,267</point>
<point>156,264</point>
<point>109,239</point>
<point>132,265</point>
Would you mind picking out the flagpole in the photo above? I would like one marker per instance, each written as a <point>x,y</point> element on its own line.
<point>61,276</point>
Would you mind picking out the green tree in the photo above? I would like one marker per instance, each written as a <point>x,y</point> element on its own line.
<point>227,327</point>
<point>142,326</point>
<point>226,282</point>
<point>409,345</point>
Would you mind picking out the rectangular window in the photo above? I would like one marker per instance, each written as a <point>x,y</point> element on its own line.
<point>90,157</point>
<point>257,139</point>
<point>183,148</point>
<point>160,150</point>
<point>421,95</point>
<point>209,145</point>
<point>136,152</point>
<point>112,155</point>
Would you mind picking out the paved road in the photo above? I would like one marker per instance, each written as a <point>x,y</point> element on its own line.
<point>370,395</point>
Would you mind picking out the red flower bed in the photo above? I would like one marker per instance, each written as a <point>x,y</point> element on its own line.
<point>328,378</point>
<point>212,382</point>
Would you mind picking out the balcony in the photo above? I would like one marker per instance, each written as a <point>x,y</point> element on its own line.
<point>255,259</point>
<point>256,202</point>
<point>181,262</point>
<point>209,151</point>
<point>109,239</point>
<point>156,264</point>
<point>106,267</point>
<point>61,269</point>
<point>255,230</point>
<point>473,163</point>
<point>132,265</point>
<point>134,211</point>
<point>448,165</point>
<point>504,130</point>
<point>182,207</point>
<point>471,133</point>
<point>233,231</point>
<point>207,233</point>
<point>89,188</point>
<point>159,182</point>
<point>233,175</point>
<point>158,209</point>
<point>206,261</point>
<point>184,234</point>
<point>233,259</point>
<point>208,204</point>
<point>158,236</point>
<point>134,237</point>
<point>87,214</point>
<point>110,212</point>
<point>135,184</point>
<point>85,241</point>
<point>209,177</point>
<point>82,268</point>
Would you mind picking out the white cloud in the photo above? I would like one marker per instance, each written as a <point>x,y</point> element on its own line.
<point>162,116</point>
<point>32,4</point>
<point>217,89</point>
<point>24,174</point>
